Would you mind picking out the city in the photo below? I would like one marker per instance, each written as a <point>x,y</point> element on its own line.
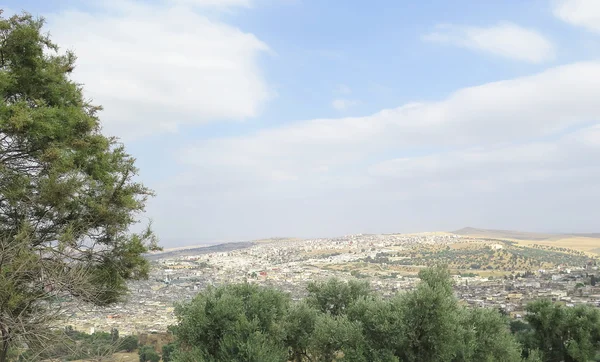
<point>289,265</point>
<point>284,181</point>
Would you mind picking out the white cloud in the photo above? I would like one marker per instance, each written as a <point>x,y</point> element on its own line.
<point>473,158</point>
<point>156,67</point>
<point>341,104</point>
<point>509,163</point>
<point>505,40</point>
<point>585,13</point>
<point>493,113</point>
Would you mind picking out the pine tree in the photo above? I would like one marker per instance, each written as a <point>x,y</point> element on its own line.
<point>67,192</point>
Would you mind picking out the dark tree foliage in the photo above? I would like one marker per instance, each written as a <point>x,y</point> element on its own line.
<point>383,326</point>
<point>431,311</point>
<point>148,354</point>
<point>343,321</point>
<point>249,323</point>
<point>518,326</point>
<point>486,336</point>
<point>561,333</point>
<point>335,296</point>
<point>337,337</point>
<point>298,328</point>
<point>67,192</point>
<point>167,350</point>
<point>128,343</point>
<point>232,323</point>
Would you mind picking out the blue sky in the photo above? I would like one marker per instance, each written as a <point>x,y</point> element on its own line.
<point>259,118</point>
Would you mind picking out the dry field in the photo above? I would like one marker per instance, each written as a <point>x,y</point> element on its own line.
<point>585,244</point>
<point>589,243</point>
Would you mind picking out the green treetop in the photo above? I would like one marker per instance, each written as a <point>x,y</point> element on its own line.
<point>67,192</point>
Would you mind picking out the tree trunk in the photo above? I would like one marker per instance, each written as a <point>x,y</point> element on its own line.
<point>5,345</point>
<point>4,342</point>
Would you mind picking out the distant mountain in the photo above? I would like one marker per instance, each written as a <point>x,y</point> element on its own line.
<point>219,248</point>
<point>588,235</point>
<point>519,235</point>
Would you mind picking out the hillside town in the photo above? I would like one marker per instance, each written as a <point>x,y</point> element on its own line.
<point>290,265</point>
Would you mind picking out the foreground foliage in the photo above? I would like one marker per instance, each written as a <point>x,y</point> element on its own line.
<point>561,333</point>
<point>344,321</point>
<point>148,354</point>
<point>70,345</point>
<point>67,192</point>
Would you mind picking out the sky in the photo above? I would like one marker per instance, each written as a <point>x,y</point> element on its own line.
<point>311,118</point>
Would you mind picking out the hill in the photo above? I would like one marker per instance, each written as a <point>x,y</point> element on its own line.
<point>219,248</point>
<point>588,242</point>
<point>505,234</point>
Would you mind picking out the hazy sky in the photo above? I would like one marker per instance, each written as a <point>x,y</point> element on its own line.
<point>258,118</point>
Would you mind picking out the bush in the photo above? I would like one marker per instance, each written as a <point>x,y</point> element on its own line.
<point>148,354</point>
<point>167,350</point>
<point>129,343</point>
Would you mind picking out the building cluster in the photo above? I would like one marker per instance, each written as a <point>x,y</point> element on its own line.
<point>567,286</point>
<point>290,265</point>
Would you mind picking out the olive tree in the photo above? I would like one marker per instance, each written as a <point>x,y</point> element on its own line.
<point>238,322</point>
<point>561,333</point>
<point>431,316</point>
<point>335,296</point>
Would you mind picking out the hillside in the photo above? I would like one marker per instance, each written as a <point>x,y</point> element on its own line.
<point>200,250</point>
<point>588,242</point>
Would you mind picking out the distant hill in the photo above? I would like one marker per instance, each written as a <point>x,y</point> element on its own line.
<point>276,239</point>
<point>589,235</point>
<point>520,235</point>
<point>505,234</point>
<point>588,242</point>
<point>219,248</point>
